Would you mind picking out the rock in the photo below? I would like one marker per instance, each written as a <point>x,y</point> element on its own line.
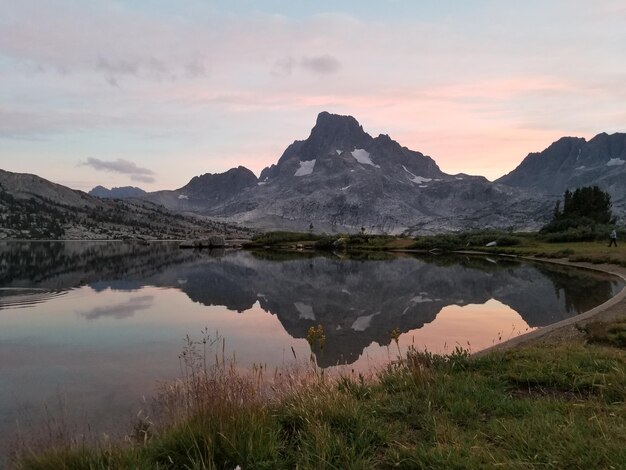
<point>217,242</point>
<point>493,243</point>
<point>340,243</point>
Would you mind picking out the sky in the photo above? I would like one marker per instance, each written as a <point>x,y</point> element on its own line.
<point>152,93</point>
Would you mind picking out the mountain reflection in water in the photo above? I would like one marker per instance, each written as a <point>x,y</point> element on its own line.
<point>357,301</point>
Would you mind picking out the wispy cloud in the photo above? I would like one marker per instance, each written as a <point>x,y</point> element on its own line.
<point>122,166</point>
<point>122,310</point>
<point>284,66</point>
<point>323,64</point>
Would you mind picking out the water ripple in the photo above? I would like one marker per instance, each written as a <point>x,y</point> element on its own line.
<point>23,297</point>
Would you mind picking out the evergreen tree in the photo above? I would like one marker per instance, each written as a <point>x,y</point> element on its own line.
<point>587,202</point>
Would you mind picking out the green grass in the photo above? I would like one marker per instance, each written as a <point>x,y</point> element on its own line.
<point>520,244</point>
<point>588,252</point>
<point>549,406</point>
<point>611,333</point>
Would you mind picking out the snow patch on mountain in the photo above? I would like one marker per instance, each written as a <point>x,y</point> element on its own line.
<point>363,157</point>
<point>306,168</point>
<point>417,179</point>
<point>615,162</point>
<point>306,311</point>
<point>418,299</point>
<point>183,196</point>
<point>363,323</point>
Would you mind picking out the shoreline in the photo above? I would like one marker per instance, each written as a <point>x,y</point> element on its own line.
<point>567,328</point>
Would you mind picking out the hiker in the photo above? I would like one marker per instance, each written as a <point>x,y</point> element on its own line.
<point>613,238</point>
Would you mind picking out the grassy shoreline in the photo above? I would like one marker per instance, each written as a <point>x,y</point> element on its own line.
<point>515,244</point>
<point>560,403</point>
<point>557,406</point>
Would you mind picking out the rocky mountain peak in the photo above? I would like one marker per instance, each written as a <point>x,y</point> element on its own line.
<point>336,131</point>
<point>231,181</point>
<point>572,162</point>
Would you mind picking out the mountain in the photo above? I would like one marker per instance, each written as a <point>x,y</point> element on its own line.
<point>208,190</point>
<point>341,179</point>
<point>124,192</point>
<point>32,207</point>
<point>572,162</point>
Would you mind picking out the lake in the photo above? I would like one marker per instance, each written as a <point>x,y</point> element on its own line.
<point>91,327</point>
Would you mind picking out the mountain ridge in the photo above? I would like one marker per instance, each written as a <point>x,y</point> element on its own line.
<point>572,162</point>
<point>32,207</point>
<point>340,178</point>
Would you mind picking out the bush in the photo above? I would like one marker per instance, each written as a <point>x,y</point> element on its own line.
<point>578,233</point>
<point>272,238</point>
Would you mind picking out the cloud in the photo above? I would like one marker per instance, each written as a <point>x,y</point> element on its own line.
<point>322,65</point>
<point>122,166</point>
<point>196,68</point>
<point>122,310</point>
<point>284,67</point>
<point>146,67</point>
<point>319,65</point>
<point>121,66</point>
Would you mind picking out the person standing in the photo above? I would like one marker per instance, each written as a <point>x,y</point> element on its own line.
<point>613,238</point>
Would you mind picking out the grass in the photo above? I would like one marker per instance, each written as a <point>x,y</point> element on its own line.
<point>520,244</point>
<point>611,333</point>
<point>548,406</point>
<point>589,252</point>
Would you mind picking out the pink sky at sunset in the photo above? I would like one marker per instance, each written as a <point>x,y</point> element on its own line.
<point>184,88</point>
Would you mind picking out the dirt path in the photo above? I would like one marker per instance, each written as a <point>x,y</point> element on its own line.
<point>566,330</point>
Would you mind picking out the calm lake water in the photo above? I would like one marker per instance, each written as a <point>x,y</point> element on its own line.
<point>92,327</point>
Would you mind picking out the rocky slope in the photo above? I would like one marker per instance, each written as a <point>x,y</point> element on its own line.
<point>32,207</point>
<point>206,191</point>
<point>573,162</point>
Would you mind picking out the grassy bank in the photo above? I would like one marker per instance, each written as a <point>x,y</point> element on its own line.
<point>550,406</point>
<point>520,244</point>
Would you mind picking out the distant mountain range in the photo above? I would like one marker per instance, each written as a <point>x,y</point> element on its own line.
<point>341,179</point>
<point>572,162</point>
<point>125,192</point>
<point>32,207</point>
